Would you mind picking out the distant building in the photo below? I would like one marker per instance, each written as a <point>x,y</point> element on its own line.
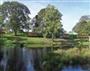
<point>68,35</point>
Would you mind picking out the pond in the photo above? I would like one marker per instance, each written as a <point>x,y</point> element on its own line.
<point>75,68</point>
<point>25,59</point>
<point>13,59</point>
<point>20,58</point>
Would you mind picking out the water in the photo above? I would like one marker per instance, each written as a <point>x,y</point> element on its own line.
<point>27,60</point>
<point>74,68</point>
<point>4,60</point>
<point>23,56</point>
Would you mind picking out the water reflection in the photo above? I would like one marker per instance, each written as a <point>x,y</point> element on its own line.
<point>74,68</point>
<point>20,58</point>
<point>27,60</point>
<point>15,59</point>
<point>4,60</point>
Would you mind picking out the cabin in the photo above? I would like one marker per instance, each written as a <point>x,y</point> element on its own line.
<point>34,34</point>
<point>70,35</point>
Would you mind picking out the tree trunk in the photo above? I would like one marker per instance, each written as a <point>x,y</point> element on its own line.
<point>52,37</point>
<point>15,33</point>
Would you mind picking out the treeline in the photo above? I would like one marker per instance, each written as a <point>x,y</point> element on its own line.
<point>14,16</point>
<point>83,26</point>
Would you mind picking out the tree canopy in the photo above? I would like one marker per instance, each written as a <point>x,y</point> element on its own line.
<point>1,18</point>
<point>1,21</point>
<point>48,21</point>
<point>17,15</point>
<point>83,26</point>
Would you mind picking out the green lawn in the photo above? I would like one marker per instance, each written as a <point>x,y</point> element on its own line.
<point>86,43</point>
<point>28,41</point>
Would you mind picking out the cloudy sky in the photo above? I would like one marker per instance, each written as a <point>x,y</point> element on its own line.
<point>72,10</point>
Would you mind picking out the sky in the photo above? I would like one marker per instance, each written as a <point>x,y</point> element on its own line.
<point>71,10</point>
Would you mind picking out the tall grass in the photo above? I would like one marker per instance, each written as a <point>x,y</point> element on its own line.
<point>64,57</point>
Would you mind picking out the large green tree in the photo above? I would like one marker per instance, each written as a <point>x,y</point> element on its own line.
<point>1,21</point>
<point>17,15</point>
<point>1,18</point>
<point>83,26</point>
<point>48,21</point>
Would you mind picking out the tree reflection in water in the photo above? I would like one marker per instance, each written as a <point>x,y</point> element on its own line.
<point>15,59</point>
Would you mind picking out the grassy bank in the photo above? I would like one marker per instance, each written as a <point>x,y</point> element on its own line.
<point>75,56</point>
<point>64,57</point>
<point>28,41</point>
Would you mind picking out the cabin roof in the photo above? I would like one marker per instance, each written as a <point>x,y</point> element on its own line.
<point>73,33</point>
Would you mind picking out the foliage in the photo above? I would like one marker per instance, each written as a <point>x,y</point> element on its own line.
<point>16,14</point>
<point>1,21</point>
<point>48,21</point>
<point>2,42</point>
<point>83,27</point>
<point>63,57</point>
<point>52,62</point>
<point>79,44</point>
<point>1,18</point>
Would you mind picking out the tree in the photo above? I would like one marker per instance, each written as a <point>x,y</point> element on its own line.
<point>83,26</point>
<point>48,21</point>
<point>1,18</point>
<point>1,21</point>
<point>17,14</point>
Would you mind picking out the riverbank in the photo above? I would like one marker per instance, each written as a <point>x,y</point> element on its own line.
<point>60,58</point>
<point>37,41</point>
<point>75,55</point>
